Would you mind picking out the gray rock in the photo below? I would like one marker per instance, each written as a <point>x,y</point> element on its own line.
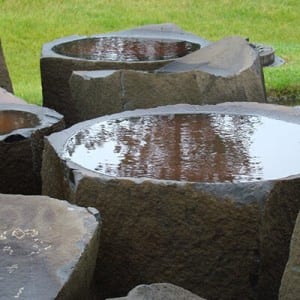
<point>290,284</point>
<point>56,68</point>
<point>5,81</point>
<point>219,240</point>
<point>226,71</point>
<point>23,128</point>
<point>159,291</point>
<point>7,97</point>
<point>48,248</point>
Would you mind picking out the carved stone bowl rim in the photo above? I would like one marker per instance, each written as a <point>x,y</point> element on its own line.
<point>138,33</point>
<point>279,112</point>
<point>46,116</point>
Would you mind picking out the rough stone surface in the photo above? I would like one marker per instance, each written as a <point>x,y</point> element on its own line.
<point>48,248</point>
<point>21,150</point>
<point>5,81</point>
<point>56,69</point>
<point>278,222</point>
<point>228,70</point>
<point>159,291</point>
<point>290,284</point>
<point>216,241</point>
<point>7,97</point>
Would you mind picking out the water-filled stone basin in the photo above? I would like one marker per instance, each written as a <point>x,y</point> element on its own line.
<point>144,48</point>
<point>185,191</point>
<point>11,120</point>
<point>126,49</point>
<point>22,130</point>
<point>202,147</point>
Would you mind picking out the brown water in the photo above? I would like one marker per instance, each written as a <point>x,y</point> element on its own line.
<point>199,148</point>
<point>125,49</point>
<point>11,120</point>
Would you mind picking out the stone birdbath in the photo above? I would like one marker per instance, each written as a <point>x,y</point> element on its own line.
<point>143,48</point>
<point>204,197</point>
<point>22,131</point>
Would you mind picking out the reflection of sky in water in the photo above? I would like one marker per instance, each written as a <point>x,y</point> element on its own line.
<point>210,148</point>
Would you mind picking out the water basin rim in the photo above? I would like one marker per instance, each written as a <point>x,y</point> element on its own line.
<point>48,48</point>
<point>60,139</point>
<point>275,111</point>
<point>46,117</point>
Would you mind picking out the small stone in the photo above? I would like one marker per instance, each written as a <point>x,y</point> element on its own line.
<point>159,291</point>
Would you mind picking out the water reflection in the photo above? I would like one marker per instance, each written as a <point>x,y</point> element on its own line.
<point>201,148</point>
<point>11,120</point>
<point>125,49</point>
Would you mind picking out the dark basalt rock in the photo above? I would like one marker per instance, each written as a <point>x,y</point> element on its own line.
<point>225,71</point>
<point>290,284</point>
<point>22,132</point>
<point>48,248</point>
<point>5,81</point>
<point>220,240</point>
<point>61,57</point>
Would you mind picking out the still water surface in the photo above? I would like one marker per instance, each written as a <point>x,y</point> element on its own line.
<point>190,147</point>
<point>125,49</point>
<point>11,120</point>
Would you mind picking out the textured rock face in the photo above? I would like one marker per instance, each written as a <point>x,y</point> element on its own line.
<point>23,128</point>
<point>290,284</point>
<point>56,69</point>
<point>159,291</point>
<point>221,241</point>
<point>281,209</point>
<point>48,248</point>
<point>228,70</point>
<point>5,81</point>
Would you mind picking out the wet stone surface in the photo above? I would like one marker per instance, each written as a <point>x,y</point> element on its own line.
<point>189,147</point>
<point>125,49</point>
<point>12,119</point>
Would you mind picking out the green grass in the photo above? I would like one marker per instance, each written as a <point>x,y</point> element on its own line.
<point>25,25</point>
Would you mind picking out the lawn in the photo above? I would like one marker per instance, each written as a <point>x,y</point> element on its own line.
<point>25,25</point>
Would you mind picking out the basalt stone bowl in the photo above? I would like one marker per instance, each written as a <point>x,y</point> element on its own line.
<point>22,131</point>
<point>144,48</point>
<point>204,197</point>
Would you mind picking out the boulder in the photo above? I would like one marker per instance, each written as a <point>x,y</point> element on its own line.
<point>290,283</point>
<point>159,291</point>
<point>22,132</point>
<point>48,248</point>
<point>58,61</point>
<point>5,81</point>
<point>225,71</point>
<point>217,239</point>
